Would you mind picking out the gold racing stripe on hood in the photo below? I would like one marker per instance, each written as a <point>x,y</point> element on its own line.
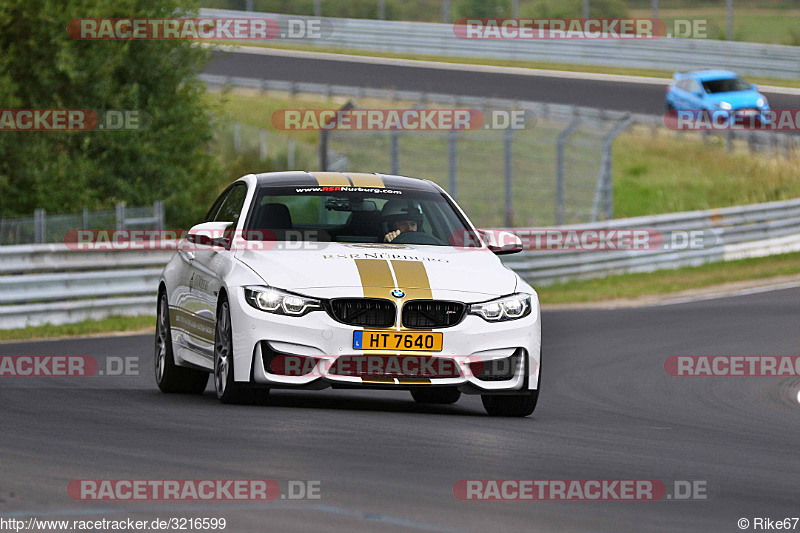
<point>331,179</point>
<point>366,180</point>
<point>412,278</point>
<point>376,278</point>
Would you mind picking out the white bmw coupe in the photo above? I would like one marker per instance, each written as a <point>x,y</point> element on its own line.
<point>302,280</point>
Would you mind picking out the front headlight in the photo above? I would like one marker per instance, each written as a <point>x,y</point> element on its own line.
<point>724,105</point>
<point>280,302</point>
<point>761,102</point>
<point>505,308</point>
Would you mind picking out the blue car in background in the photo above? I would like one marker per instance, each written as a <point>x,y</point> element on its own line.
<point>720,92</point>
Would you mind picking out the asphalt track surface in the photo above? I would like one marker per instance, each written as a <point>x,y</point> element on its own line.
<point>608,410</point>
<point>620,96</point>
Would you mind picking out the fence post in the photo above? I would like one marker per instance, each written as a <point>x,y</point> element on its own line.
<point>290,153</point>
<point>509,177</point>
<point>262,144</point>
<point>323,150</point>
<point>452,140</point>
<point>39,222</point>
<point>158,214</point>
<point>560,142</point>
<point>85,218</point>
<point>394,136</point>
<point>119,210</point>
<point>446,11</point>
<point>237,137</point>
<point>605,183</point>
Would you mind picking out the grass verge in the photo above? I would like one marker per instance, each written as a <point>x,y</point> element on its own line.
<point>112,324</point>
<point>663,282</point>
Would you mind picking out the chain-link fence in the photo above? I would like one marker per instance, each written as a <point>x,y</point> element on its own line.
<point>43,227</point>
<point>549,172</point>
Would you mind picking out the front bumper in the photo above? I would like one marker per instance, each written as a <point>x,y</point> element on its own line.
<point>324,346</point>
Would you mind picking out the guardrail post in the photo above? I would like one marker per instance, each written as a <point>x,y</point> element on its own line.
<point>560,142</point>
<point>85,218</point>
<point>509,177</point>
<point>119,210</point>
<point>446,11</point>
<point>381,10</point>
<point>452,141</point>
<point>729,141</point>
<point>317,8</point>
<point>394,136</point>
<point>39,222</point>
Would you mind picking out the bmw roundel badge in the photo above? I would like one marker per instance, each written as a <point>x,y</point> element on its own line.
<point>397,293</point>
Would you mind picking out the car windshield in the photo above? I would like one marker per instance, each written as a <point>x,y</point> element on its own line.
<point>725,85</point>
<point>353,215</point>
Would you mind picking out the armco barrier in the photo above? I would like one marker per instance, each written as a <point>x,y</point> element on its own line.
<point>768,60</point>
<point>50,283</point>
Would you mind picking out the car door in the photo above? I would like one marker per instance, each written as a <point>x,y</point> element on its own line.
<point>209,265</point>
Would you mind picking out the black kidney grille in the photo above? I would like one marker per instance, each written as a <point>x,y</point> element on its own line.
<point>432,314</point>
<point>367,312</point>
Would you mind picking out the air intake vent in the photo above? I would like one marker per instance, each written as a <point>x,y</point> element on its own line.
<point>364,312</point>
<point>422,314</point>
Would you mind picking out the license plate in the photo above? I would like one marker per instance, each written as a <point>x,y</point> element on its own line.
<point>389,340</point>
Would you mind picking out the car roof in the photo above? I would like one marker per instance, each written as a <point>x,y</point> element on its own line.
<point>349,179</point>
<point>705,75</point>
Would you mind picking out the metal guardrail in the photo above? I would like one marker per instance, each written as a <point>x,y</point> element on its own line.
<point>52,284</point>
<point>775,61</point>
<point>730,233</point>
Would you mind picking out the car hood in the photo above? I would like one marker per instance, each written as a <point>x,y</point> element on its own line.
<point>737,99</point>
<point>339,269</point>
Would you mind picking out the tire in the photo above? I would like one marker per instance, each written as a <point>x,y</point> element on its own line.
<point>229,390</point>
<point>169,376</point>
<point>517,405</point>
<point>440,395</point>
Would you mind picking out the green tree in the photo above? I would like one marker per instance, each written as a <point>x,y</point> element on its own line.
<point>41,67</point>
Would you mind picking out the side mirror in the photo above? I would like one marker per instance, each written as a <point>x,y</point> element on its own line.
<point>501,242</point>
<point>754,87</point>
<point>699,94</point>
<point>210,234</point>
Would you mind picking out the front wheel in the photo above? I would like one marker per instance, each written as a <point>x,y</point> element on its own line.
<point>228,390</point>
<point>169,376</point>
<point>516,405</point>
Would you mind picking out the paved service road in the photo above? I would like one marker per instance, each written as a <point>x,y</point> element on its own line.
<point>623,96</point>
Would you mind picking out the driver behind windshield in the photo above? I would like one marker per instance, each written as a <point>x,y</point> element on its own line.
<point>400,216</point>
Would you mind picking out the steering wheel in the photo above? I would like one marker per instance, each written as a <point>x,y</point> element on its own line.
<point>416,237</point>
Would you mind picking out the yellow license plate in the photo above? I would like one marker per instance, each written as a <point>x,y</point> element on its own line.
<point>393,340</point>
